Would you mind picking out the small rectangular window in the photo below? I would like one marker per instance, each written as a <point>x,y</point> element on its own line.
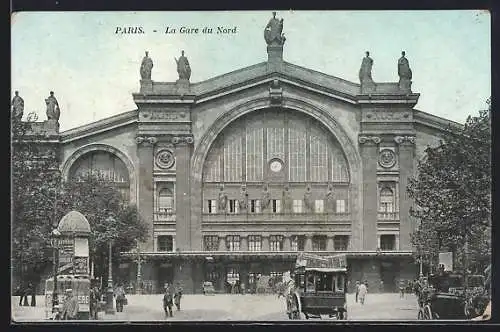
<point>341,206</point>
<point>297,206</point>
<point>276,205</point>
<point>254,243</point>
<point>233,242</point>
<point>276,242</point>
<point>165,243</point>
<point>233,206</point>
<point>387,242</point>
<point>211,242</point>
<point>298,242</point>
<point>319,243</point>
<point>319,206</point>
<point>254,206</point>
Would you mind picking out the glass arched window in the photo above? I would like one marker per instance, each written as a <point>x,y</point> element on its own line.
<point>166,201</point>
<point>386,200</point>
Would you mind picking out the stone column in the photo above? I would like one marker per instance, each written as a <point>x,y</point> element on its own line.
<point>369,155</point>
<point>396,244</point>
<point>183,196</point>
<point>378,241</point>
<point>406,155</point>
<point>308,244</point>
<point>145,204</point>
<point>329,244</point>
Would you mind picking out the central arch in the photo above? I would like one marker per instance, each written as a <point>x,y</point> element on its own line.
<point>323,116</point>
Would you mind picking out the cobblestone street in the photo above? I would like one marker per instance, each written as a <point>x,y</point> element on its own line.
<point>234,307</point>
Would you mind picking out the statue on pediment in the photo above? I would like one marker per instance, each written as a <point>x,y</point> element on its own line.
<point>183,67</point>
<point>243,201</point>
<point>308,202</point>
<point>266,198</point>
<point>365,72</point>
<point>53,110</point>
<point>146,67</point>
<point>404,70</point>
<point>17,106</point>
<point>287,200</point>
<point>273,33</point>
<point>222,201</point>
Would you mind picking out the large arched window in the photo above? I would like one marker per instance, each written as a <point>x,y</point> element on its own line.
<point>104,164</point>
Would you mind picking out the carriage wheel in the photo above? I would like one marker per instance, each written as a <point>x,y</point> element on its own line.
<point>420,315</point>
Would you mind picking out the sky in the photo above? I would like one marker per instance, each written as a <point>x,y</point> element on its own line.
<point>93,71</point>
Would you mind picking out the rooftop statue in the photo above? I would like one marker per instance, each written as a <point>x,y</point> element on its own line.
<point>404,70</point>
<point>183,67</point>
<point>17,106</point>
<point>365,72</point>
<point>53,110</point>
<point>273,31</point>
<point>146,67</point>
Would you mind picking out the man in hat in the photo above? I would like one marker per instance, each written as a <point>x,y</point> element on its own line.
<point>70,307</point>
<point>178,295</point>
<point>168,300</point>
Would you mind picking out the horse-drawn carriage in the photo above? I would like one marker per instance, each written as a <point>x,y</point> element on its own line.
<point>318,288</point>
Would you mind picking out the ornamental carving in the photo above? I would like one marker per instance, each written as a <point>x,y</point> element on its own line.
<point>276,92</point>
<point>387,116</point>
<point>387,158</point>
<point>146,139</point>
<point>403,139</point>
<point>182,139</point>
<point>365,139</point>
<point>165,159</point>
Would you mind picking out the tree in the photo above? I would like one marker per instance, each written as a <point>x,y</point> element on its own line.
<point>452,194</point>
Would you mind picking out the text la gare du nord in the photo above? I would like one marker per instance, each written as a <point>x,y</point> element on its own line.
<point>180,30</point>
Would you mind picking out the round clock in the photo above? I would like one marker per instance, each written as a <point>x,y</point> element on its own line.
<point>275,166</point>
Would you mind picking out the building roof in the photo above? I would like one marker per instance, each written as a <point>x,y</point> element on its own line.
<point>74,222</point>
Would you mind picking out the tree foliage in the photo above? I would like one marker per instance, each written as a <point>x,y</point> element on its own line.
<point>452,194</point>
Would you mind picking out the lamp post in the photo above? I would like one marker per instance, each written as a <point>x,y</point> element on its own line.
<point>55,245</point>
<point>109,292</point>
<point>139,262</point>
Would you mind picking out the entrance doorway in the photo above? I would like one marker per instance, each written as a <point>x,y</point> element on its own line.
<point>165,274</point>
<point>388,276</point>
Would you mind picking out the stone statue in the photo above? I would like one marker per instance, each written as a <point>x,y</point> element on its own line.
<point>17,106</point>
<point>329,199</point>
<point>404,70</point>
<point>146,67</point>
<point>53,110</point>
<point>365,72</point>
<point>273,31</point>
<point>183,67</point>
<point>308,199</point>
<point>266,198</point>
<point>222,200</point>
<point>243,199</point>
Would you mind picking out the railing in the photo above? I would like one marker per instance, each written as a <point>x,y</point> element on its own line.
<point>277,217</point>
<point>168,215</point>
<point>388,215</point>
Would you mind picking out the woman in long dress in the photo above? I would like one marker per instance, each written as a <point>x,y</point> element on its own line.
<point>362,293</point>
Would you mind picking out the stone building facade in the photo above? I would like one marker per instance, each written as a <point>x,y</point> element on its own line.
<point>237,173</point>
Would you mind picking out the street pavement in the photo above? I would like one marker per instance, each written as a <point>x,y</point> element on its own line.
<point>226,307</point>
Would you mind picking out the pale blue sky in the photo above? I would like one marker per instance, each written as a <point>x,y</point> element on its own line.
<point>93,71</point>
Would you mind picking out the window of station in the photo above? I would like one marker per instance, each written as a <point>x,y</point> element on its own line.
<point>298,242</point>
<point>165,243</point>
<point>319,206</point>
<point>254,243</point>
<point>233,242</point>
<point>276,274</point>
<point>387,242</point>
<point>212,206</point>
<point>319,243</point>
<point>297,206</point>
<point>233,206</point>
<point>386,200</point>
<point>165,201</point>
<point>253,277</point>
<point>211,242</point>
<point>232,274</point>
<point>341,242</point>
<point>255,206</point>
<point>212,276</point>
<point>276,205</point>
<point>276,242</point>
<point>341,206</point>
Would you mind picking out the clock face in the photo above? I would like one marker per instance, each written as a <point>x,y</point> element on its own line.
<point>275,166</point>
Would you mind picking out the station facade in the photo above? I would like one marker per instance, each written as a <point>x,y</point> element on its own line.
<point>236,174</point>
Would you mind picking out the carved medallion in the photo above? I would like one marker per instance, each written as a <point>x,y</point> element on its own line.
<point>276,165</point>
<point>165,159</point>
<point>387,158</point>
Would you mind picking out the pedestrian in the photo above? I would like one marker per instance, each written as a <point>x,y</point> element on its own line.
<point>362,293</point>
<point>177,296</point>
<point>33,295</point>
<point>168,301</point>
<point>401,289</point>
<point>20,292</point>
<point>120,298</point>
<point>70,306</point>
<point>357,290</point>
<point>381,286</point>
<point>94,302</point>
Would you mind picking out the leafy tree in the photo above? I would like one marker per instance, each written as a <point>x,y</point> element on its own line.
<point>452,194</point>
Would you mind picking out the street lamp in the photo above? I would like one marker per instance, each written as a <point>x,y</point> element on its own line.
<point>109,292</point>
<point>139,276</point>
<point>55,245</point>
